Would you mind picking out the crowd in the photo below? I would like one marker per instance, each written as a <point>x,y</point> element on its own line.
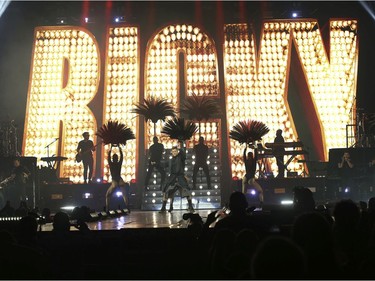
<point>237,243</point>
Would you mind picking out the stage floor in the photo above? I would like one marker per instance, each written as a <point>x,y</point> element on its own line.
<point>140,219</point>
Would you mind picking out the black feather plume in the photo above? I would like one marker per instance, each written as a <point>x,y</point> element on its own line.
<point>178,128</point>
<point>248,131</point>
<point>115,133</point>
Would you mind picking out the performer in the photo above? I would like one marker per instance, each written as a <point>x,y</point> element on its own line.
<point>346,162</point>
<point>371,171</point>
<point>19,176</point>
<point>84,153</point>
<point>176,180</point>
<point>249,178</point>
<point>279,150</point>
<point>156,152</point>
<point>346,170</point>
<point>115,165</point>
<point>201,154</point>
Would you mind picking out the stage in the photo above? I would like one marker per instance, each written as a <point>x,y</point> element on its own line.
<point>277,191</point>
<point>138,219</point>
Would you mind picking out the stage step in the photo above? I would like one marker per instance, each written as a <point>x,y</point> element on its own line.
<point>202,196</point>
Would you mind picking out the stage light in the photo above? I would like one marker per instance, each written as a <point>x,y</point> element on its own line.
<point>10,218</point>
<point>294,14</point>
<point>252,192</point>
<point>68,208</point>
<point>3,6</point>
<point>98,179</point>
<point>86,20</point>
<point>154,194</point>
<point>118,193</point>
<point>103,214</point>
<point>193,193</point>
<point>61,20</point>
<point>208,193</point>
<point>94,216</point>
<point>286,202</point>
<point>119,19</point>
<point>347,190</point>
<point>87,195</point>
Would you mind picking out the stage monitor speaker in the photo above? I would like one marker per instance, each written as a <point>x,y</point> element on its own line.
<point>7,193</point>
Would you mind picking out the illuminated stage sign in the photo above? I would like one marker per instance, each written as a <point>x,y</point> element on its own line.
<point>65,74</point>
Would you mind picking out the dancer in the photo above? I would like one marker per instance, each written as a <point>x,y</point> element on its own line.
<point>156,153</point>
<point>249,178</point>
<point>84,154</point>
<point>201,154</point>
<point>115,165</point>
<point>176,180</point>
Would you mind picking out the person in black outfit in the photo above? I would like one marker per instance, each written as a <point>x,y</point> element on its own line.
<point>19,176</point>
<point>277,150</point>
<point>176,180</point>
<point>201,154</point>
<point>156,153</point>
<point>115,165</point>
<point>84,150</point>
<point>249,178</point>
<point>346,170</point>
<point>371,171</point>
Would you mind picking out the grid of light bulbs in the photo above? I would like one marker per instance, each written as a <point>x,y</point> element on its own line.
<point>162,64</point>
<point>250,93</point>
<point>210,130</point>
<point>48,102</point>
<point>260,95</point>
<point>332,82</point>
<point>121,91</point>
<point>255,95</point>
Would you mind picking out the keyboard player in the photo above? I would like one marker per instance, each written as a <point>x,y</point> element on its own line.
<point>278,151</point>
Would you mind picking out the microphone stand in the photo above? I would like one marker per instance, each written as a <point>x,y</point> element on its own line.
<point>47,146</point>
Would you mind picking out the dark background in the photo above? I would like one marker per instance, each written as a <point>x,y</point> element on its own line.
<point>20,18</point>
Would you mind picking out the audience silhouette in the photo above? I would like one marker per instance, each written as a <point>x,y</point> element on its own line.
<point>278,257</point>
<point>313,233</point>
<point>232,243</point>
<point>239,218</point>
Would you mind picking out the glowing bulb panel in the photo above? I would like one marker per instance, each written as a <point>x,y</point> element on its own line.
<point>64,79</point>
<point>256,84</point>
<point>163,68</point>
<point>121,91</point>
